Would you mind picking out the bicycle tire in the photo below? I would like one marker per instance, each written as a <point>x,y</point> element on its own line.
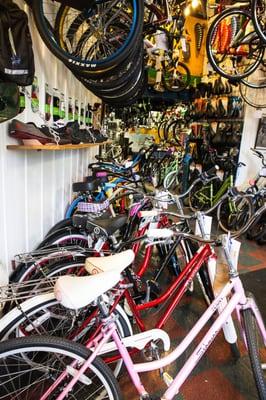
<point>38,352</point>
<point>257,227</point>
<point>261,30</point>
<point>234,222</point>
<point>68,235</point>
<point>252,337</point>
<point>213,29</point>
<point>74,61</point>
<point>117,79</point>
<point>59,225</point>
<point>44,315</point>
<point>170,85</point>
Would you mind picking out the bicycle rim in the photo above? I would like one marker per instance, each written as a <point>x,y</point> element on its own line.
<point>233,49</point>
<point>30,366</point>
<point>256,350</point>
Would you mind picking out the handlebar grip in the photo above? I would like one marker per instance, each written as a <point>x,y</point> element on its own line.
<point>163,233</point>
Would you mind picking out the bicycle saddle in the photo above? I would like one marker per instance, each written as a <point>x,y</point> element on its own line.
<point>117,262</point>
<point>105,226</point>
<point>78,291</point>
<point>91,186</point>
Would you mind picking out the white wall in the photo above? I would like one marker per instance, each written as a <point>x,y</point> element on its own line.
<point>253,163</point>
<point>35,187</point>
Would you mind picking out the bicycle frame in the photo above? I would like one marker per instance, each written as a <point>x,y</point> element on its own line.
<point>213,199</point>
<point>172,296</point>
<point>237,302</point>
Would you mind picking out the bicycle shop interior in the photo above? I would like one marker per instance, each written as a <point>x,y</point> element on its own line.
<point>135,130</point>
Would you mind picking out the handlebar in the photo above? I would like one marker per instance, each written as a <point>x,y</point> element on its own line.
<point>260,155</point>
<point>168,233</point>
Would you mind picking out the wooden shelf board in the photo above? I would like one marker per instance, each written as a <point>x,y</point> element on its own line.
<point>56,147</point>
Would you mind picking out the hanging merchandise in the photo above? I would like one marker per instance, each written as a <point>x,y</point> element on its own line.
<point>82,114</point>
<point>22,102</point>
<point>9,101</point>
<point>56,105</point>
<point>70,110</point>
<point>185,46</point>
<point>198,30</point>
<point>76,112</point>
<point>62,107</point>
<point>35,95</point>
<point>48,101</point>
<point>16,54</point>
<point>88,116</point>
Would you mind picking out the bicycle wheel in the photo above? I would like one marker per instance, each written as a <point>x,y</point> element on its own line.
<point>258,10</point>
<point>199,197</point>
<point>253,88</point>
<point>44,315</point>
<point>257,228</point>
<point>176,76</point>
<point>256,351</point>
<point>64,237</point>
<point>233,214</point>
<point>109,31</point>
<point>30,366</point>
<point>233,50</point>
<point>171,181</point>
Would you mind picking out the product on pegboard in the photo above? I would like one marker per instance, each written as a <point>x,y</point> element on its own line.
<point>35,102</point>
<point>22,102</point>
<point>82,114</point>
<point>88,116</point>
<point>56,105</point>
<point>76,112</point>
<point>62,107</point>
<point>70,110</point>
<point>48,102</point>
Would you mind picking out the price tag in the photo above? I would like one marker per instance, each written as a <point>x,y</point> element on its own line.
<point>183,44</point>
<point>162,203</point>
<point>233,246</point>
<point>207,225</point>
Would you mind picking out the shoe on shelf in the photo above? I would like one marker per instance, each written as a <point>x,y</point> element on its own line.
<point>81,136</point>
<point>98,136</point>
<point>63,136</point>
<point>28,133</point>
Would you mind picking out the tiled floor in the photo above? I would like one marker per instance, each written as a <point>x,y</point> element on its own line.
<point>218,376</point>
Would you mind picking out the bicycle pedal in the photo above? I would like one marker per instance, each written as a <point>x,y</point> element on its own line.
<point>167,379</point>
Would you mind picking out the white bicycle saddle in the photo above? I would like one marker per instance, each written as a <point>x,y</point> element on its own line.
<point>78,291</point>
<point>116,262</point>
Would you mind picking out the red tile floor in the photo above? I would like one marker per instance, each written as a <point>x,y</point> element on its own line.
<point>218,376</point>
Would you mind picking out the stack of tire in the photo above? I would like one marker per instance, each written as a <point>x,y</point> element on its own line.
<point>100,41</point>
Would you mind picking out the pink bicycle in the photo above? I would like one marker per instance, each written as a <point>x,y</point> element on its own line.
<point>53,368</point>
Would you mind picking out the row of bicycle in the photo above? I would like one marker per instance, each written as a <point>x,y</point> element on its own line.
<point>65,335</point>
